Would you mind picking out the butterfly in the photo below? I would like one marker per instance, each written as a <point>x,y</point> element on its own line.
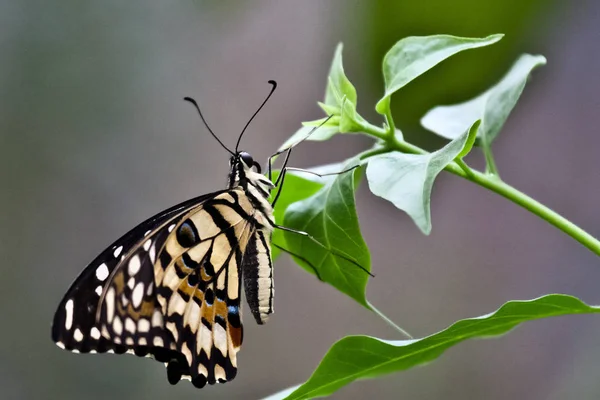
<point>170,288</point>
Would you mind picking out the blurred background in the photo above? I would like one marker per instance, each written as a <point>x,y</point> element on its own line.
<point>95,137</point>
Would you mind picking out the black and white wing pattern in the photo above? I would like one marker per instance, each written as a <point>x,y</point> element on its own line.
<point>75,325</point>
<point>170,288</point>
<point>198,288</point>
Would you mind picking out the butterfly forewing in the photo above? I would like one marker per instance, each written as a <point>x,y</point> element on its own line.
<point>75,326</point>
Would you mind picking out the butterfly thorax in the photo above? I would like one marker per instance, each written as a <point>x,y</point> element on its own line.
<point>245,173</point>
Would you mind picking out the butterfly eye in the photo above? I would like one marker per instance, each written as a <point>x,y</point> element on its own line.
<point>247,158</point>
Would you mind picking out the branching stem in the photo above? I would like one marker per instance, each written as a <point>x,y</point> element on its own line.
<point>490,181</point>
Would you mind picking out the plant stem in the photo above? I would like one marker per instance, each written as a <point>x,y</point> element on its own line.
<point>492,182</point>
<point>496,185</point>
<point>464,166</point>
<point>389,321</point>
<point>390,122</point>
<point>490,163</point>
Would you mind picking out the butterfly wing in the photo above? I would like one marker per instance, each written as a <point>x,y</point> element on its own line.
<point>198,288</point>
<point>169,289</point>
<point>75,325</point>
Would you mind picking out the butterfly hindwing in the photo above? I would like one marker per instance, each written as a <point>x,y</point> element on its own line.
<point>198,287</point>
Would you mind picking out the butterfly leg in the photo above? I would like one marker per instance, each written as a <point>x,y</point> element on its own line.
<point>289,149</point>
<point>285,161</point>
<point>333,251</point>
<point>316,271</point>
<point>286,169</point>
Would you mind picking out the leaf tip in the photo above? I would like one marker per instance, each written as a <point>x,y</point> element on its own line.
<point>496,37</point>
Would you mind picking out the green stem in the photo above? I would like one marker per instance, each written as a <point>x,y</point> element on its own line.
<point>390,122</point>
<point>389,321</point>
<point>491,182</point>
<point>490,164</point>
<point>496,185</point>
<point>464,166</point>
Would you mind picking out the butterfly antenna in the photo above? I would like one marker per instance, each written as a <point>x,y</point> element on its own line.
<point>206,124</point>
<point>272,82</point>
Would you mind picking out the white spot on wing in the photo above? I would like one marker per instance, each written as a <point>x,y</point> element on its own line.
<point>137,295</point>
<point>147,232</point>
<point>147,244</point>
<point>186,352</point>
<point>173,328</point>
<point>117,326</point>
<point>78,335</point>
<point>171,228</point>
<point>95,333</point>
<point>99,290</point>
<point>220,338</point>
<point>157,320</point>
<point>158,341</point>
<point>134,265</point>
<point>130,325</point>
<point>192,315</point>
<point>109,300</point>
<point>124,300</point>
<point>219,372</point>
<point>118,251</point>
<point>69,314</point>
<point>152,254</point>
<point>176,304</point>
<point>102,272</point>
<point>60,344</point>
<point>143,325</point>
<point>204,338</point>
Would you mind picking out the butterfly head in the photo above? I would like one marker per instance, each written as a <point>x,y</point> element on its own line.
<point>244,170</point>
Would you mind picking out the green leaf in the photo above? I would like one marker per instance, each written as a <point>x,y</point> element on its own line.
<point>350,120</point>
<point>360,357</point>
<point>340,97</point>
<point>472,135</point>
<point>295,188</point>
<point>322,133</point>
<point>413,56</point>
<point>492,106</point>
<point>281,394</point>
<point>338,84</point>
<point>407,179</point>
<point>330,217</point>
<point>328,109</point>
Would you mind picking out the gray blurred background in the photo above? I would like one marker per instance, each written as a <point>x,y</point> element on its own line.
<point>95,138</point>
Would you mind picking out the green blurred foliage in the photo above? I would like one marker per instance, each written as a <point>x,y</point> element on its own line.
<point>454,80</point>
